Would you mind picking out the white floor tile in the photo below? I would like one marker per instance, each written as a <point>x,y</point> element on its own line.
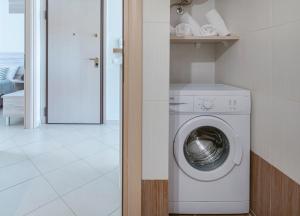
<point>87,148</point>
<point>112,139</point>
<point>56,208</point>
<point>73,159</point>
<point>41,147</point>
<point>26,197</point>
<point>54,160</point>
<point>17,173</point>
<point>105,161</point>
<point>97,198</point>
<point>116,212</point>
<point>71,138</point>
<point>25,137</point>
<point>7,143</point>
<point>114,177</point>
<point>71,177</point>
<point>11,156</point>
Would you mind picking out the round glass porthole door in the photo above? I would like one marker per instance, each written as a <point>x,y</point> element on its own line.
<point>206,148</point>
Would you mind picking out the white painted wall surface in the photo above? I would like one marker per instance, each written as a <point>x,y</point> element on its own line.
<point>267,61</point>
<point>112,74</point>
<point>188,63</point>
<point>43,59</point>
<point>12,30</point>
<point>156,51</point>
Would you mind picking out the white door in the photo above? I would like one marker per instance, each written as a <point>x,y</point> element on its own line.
<point>74,65</point>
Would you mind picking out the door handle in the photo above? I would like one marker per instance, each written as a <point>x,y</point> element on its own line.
<point>96,61</point>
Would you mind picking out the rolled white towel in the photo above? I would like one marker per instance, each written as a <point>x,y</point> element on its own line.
<point>172,30</point>
<point>208,30</point>
<point>183,29</point>
<point>215,19</point>
<point>187,18</point>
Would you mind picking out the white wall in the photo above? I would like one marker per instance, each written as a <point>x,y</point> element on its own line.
<point>156,78</point>
<point>188,63</point>
<point>113,32</point>
<point>12,30</point>
<point>43,59</point>
<point>267,61</point>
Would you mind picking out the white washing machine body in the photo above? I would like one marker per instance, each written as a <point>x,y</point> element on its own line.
<point>209,149</point>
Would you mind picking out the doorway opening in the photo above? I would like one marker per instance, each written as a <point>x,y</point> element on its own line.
<point>11,63</point>
<point>70,164</point>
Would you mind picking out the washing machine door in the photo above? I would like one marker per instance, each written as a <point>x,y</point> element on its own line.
<point>206,148</point>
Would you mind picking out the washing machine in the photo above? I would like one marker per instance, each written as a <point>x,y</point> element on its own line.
<point>209,149</point>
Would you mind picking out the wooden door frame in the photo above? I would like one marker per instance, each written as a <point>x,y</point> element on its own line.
<point>131,106</point>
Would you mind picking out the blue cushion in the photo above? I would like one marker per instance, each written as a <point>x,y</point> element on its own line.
<point>3,73</point>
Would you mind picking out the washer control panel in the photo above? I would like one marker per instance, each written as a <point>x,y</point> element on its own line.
<point>217,104</point>
<point>211,104</point>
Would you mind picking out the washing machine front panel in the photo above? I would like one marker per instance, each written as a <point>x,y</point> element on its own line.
<point>206,148</point>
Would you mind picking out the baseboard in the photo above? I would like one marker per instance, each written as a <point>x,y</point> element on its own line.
<point>272,192</point>
<point>155,198</point>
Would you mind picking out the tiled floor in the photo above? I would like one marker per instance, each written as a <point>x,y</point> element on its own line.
<point>59,170</point>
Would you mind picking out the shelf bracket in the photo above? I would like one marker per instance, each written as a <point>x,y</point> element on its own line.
<point>225,43</point>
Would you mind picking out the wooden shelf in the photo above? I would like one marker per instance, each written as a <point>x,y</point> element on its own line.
<point>204,39</point>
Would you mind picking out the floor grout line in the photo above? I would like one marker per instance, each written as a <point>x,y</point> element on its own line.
<point>58,195</point>
<point>109,131</point>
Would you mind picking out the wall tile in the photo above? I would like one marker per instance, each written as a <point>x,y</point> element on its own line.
<point>245,15</point>
<point>258,60</point>
<point>155,140</point>
<point>156,61</point>
<point>285,11</point>
<point>231,65</point>
<point>267,58</point>
<point>279,123</point>
<point>156,11</point>
<point>261,124</point>
<point>286,60</point>
<point>192,65</point>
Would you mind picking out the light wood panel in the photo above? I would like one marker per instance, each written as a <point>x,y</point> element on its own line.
<point>211,215</point>
<point>132,108</point>
<point>272,192</point>
<point>204,39</point>
<point>155,198</point>
<point>260,186</point>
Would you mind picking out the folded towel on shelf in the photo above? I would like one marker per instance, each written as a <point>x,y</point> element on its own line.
<point>184,29</point>
<point>188,19</point>
<point>172,30</point>
<point>208,30</point>
<point>215,19</point>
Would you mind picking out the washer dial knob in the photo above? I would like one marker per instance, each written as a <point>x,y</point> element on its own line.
<point>208,104</point>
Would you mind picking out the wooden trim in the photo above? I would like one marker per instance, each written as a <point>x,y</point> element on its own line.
<point>272,192</point>
<point>132,108</point>
<point>210,215</point>
<point>155,198</point>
